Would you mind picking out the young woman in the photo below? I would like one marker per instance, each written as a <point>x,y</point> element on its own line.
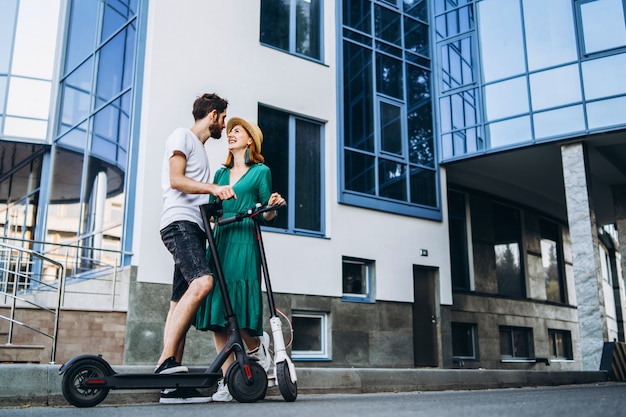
<point>238,250</point>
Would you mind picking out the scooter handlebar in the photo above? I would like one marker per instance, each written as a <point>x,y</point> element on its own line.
<point>249,213</point>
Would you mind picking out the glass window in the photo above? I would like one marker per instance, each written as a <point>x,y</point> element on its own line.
<point>29,98</point>
<point>459,250</point>
<point>606,113</point>
<point>81,38</point>
<point>559,122</point>
<point>25,128</point>
<point>7,32</point>
<point>603,25</point>
<point>598,72</point>
<point>76,96</point>
<point>295,158</point>
<point>500,39</point>
<point>357,279</point>
<point>509,132</point>
<point>310,340</point>
<point>552,260</point>
<point>388,148</point>
<point>550,33</point>
<point>464,341</point>
<point>508,251</point>
<point>294,26</point>
<point>516,343</point>
<point>506,99</point>
<point>555,87</point>
<point>560,344</point>
<point>35,39</point>
<point>457,64</point>
<point>454,22</point>
<point>115,56</point>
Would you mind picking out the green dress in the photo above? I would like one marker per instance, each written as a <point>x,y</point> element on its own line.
<point>239,254</point>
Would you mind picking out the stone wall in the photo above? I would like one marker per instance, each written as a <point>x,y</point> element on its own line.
<point>80,331</point>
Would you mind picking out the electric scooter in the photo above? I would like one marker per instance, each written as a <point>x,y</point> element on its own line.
<point>284,369</point>
<point>87,379</point>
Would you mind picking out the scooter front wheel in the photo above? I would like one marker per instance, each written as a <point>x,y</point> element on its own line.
<point>288,388</point>
<point>73,388</point>
<point>239,387</point>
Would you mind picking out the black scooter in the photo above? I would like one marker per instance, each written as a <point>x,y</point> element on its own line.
<point>87,379</point>
<point>284,370</point>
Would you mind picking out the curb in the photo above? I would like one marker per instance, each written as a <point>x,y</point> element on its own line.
<point>40,385</point>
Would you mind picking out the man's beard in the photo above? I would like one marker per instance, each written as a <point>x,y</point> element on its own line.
<point>215,131</point>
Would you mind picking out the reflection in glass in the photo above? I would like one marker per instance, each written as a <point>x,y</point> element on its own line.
<point>419,117</point>
<point>416,37</point>
<point>506,99</point>
<point>360,172</point>
<point>75,97</point>
<point>606,113</point>
<point>559,122</point>
<point>391,128</point>
<point>550,33</point>
<point>509,132</point>
<point>81,34</point>
<point>416,8</point>
<point>423,186</point>
<point>500,39</point>
<point>115,56</point>
<point>551,261</point>
<point>308,215</point>
<point>275,23</point>
<point>392,179</point>
<point>555,87</point>
<point>602,25</point>
<point>389,77</point>
<point>456,64</point>
<point>604,77</point>
<point>455,22</point>
<point>387,25</point>
<point>358,98</point>
<point>507,249</point>
<point>357,15</point>
<point>308,31</point>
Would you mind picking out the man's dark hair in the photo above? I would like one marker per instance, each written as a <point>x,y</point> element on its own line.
<point>206,103</point>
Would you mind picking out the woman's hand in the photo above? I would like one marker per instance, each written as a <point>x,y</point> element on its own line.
<point>275,199</point>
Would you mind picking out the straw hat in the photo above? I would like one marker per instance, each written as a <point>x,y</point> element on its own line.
<point>253,130</point>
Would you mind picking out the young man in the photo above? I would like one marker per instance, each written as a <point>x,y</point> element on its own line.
<point>186,183</point>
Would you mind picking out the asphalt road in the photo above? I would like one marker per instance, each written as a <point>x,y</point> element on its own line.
<point>605,400</point>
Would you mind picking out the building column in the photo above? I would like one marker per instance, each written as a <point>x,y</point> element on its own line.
<point>619,204</point>
<point>585,254</point>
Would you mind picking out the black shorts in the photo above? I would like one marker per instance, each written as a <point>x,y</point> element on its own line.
<point>186,241</point>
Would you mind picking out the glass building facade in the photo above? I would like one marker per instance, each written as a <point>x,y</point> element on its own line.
<point>463,117</point>
<point>547,71</point>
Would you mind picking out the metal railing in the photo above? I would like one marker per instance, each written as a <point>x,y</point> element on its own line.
<point>50,275</point>
<point>19,269</point>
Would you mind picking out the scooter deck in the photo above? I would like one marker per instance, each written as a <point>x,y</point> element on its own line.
<point>147,381</point>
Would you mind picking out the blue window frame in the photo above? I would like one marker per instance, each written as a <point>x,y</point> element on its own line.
<point>294,26</point>
<point>294,154</point>
<point>358,279</point>
<point>387,153</point>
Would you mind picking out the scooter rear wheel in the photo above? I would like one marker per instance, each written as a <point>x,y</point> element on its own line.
<point>72,386</point>
<point>239,387</point>
<point>288,388</point>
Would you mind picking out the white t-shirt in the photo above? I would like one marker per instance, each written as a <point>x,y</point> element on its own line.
<point>179,206</point>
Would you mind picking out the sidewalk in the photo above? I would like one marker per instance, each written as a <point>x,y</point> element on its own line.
<point>38,385</point>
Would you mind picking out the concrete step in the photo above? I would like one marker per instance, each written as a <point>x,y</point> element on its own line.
<point>11,353</point>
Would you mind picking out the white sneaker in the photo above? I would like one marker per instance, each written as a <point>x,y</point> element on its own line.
<point>222,394</point>
<point>262,353</point>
